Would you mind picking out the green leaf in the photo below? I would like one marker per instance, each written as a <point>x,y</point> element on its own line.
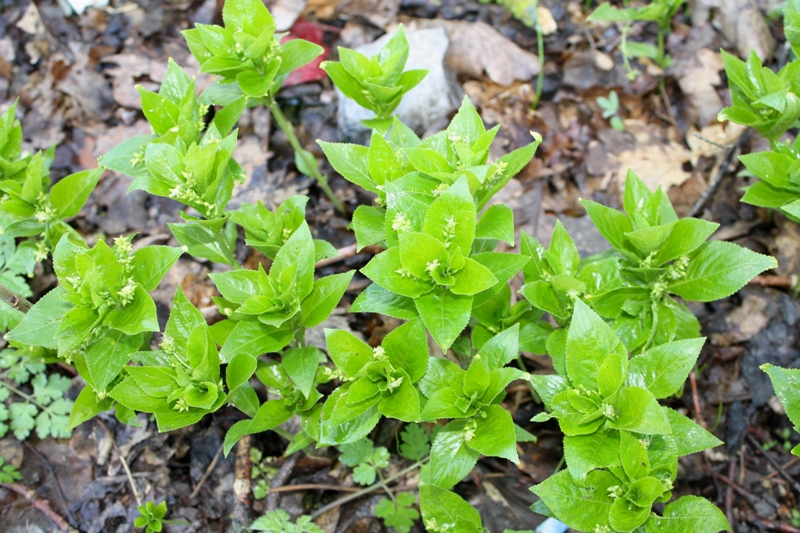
<point>324,298</point>
<point>386,270</point>
<point>70,193</point>
<point>718,269</point>
<point>255,339</point>
<point>585,453</point>
<point>663,370</point>
<point>501,349</point>
<point>453,213</point>
<point>348,352</point>
<point>301,365</point>
<point>639,411</point>
<point>376,299</point>
<point>400,514</point>
<point>270,415</point>
<point>407,348</point>
<point>238,286</point>
<point>447,510</point>
<point>351,161</point>
<point>369,223</point>
<point>106,357</point>
<point>495,435</point>
<point>151,263</point>
<point>297,52</point>
<point>415,443</point>
<point>451,459</point>
<point>689,513</point>
<point>687,235</point>
<point>239,370</point>
<point>583,508</point>
<point>497,222</point>
<point>42,321</point>
<point>122,158</point>
<point>563,254</point>
<point>589,342</point>
<point>786,383</point>
<point>445,315</point>
<point>138,316</point>
<point>86,406</point>
<point>201,241</point>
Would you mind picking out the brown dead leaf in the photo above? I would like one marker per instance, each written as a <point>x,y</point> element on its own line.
<point>725,134</point>
<point>742,23</point>
<point>697,76</point>
<point>656,159</point>
<point>286,12</point>
<point>502,60</point>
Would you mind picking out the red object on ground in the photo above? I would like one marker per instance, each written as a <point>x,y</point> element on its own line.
<point>310,31</point>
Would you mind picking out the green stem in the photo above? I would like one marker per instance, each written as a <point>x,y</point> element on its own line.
<point>14,300</point>
<point>534,394</point>
<point>382,483</point>
<point>310,160</point>
<point>540,52</point>
<point>371,488</point>
<point>27,397</point>
<point>654,309</point>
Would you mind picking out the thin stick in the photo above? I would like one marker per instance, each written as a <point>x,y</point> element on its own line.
<point>207,473</point>
<point>280,479</point>
<point>696,399</point>
<point>124,463</point>
<point>241,486</point>
<point>312,486</point>
<point>362,492</point>
<point>729,493</point>
<point>14,300</point>
<point>774,463</point>
<point>46,463</point>
<point>348,251</point>
<point>40,504</point>
<point>720,174</point>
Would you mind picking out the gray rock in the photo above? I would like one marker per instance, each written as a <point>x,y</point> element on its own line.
<point>434,98</point>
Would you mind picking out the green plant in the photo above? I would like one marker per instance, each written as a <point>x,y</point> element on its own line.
<point>658,256</point>
<point>767,102</point>
<point>659,11</point>
<point>439,272</point>
<point>620,444</point>
<point>610,107</point>
<point>151,517</point>
<point>377,83</point>
<point>786,383</point>
<point>280,522</point>
<point>43,409</point>
<point>397,511</point>
<point>16,261</point>
<point>8,473</point>
<point>261,473</point>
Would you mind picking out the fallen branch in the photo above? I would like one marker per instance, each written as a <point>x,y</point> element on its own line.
<point>758,446</point>
<point>312,486</point>
<point>279,480</point>
<point>40,504</point>
<point>241,486</point>
<point>721,173</point>
<point>207,473</point>
<point>348,251</point>
<point>14,300</point>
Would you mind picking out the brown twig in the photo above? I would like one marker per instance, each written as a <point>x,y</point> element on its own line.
<point>347,252</point>
<point>726,161</point>
<point>241,486</point>
<point>280,480</point>
<point>729,492</point>
<point>40,504</point>
<point>775,526</point>
<point>46,463</point>
<point>696,400</point>
<point>123,461</point>
<point>757,445</point>
<point>14,300</point>
<point>312,486</point>
<point>781,282</point>
<point>207,473</point>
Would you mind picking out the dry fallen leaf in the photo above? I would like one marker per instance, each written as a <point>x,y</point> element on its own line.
<point>657,160</point>
<point>698,75</point>
<point>501,59</point>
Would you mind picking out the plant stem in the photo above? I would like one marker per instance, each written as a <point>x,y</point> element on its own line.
<point>540,52</point>
<point>382,483</point>
<point>28,397</point>
<point>310,161</point>
<point>14,300</point>
<point>534,394</point>
<point>367,490</point>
